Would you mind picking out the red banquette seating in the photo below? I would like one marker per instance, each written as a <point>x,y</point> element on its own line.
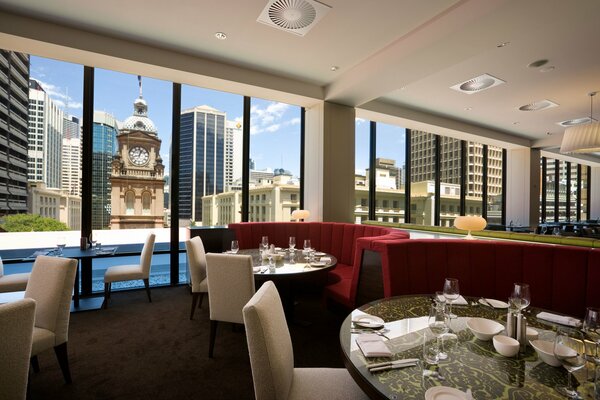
<point>338,239</point>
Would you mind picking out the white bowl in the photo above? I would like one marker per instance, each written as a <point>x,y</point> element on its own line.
<point>532,334</point>
<point>484,329</point>
<point>545,351</point>
<point>506,346</point>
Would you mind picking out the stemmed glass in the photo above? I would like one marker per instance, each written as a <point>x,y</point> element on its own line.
<point>235,246</point>
<point>521,296</point>
<point>265,242</point>
<point>92,241</point>
<point>569,349</point>
<point>451,293</point>
<point>438,323</point>
<point>292,244</point>
<point>591,330</point>
<point>60,245</point>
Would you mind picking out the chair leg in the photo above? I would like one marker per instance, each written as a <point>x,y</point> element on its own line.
<point>194,301</point>
<point>106,295</point>
<point>35,364</point>
<point>63,360</point>
<point>213,334</point>
<point>147,284</point>
<point>201,298</point>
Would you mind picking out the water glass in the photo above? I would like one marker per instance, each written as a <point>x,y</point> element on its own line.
<point>591,329</point>
<point>307,244</point>
<point>430,348</point>
<point>235,246</point>
<point>438,324</point>
<point>60,245</point>
<point>521,296</point>
<point>569,349</point>
<point>451,293</point>
<point>292,243</point>
<point>265,242</point>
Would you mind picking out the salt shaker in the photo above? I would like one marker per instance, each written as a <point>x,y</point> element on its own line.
<point>511,325</point>
<point>522,332</point>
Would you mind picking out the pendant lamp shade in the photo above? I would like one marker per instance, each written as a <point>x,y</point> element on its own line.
<point>583,138</point>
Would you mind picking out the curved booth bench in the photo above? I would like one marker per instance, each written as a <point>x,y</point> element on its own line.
<point>339,239</point>
<point>561,278</point>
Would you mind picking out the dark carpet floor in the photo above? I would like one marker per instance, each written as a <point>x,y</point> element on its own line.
<point>141,350</point>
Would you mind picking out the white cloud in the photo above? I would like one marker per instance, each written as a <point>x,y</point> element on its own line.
<point>75,104</point>
<point>360,120</point>
<point>58,94</point>
<point>294,121</point>
<point>268,119</point>
<point>272,128</point>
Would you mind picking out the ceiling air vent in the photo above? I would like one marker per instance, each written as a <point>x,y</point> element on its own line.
<point>576,121</point>
<point>294,16</point>
<point>538,105</point>
<point>477,84</point>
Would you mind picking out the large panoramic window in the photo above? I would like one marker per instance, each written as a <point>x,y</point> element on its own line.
<point>550,189</point>
<point>361,162</point>
<point>494,186</point>
<point>389,173</point>
<point>450,179</point>
<point>422,174</point>
<point>130,167</point>
<point>583,201</point>
<point>274,160</point>
<point>210,167</point>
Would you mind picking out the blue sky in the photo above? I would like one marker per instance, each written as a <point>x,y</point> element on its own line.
<point>275,129</point>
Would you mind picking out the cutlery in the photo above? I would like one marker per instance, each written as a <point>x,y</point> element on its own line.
<point>395,362</point>
<point>367,323</point>
<point>485,302</point>
<point>369,331</point>
<point>394,366</point>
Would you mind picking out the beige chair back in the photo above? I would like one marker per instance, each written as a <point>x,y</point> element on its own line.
<point>51,285</point>
<point>16,335</point>
<point>146,257</point>
<point>197,261</point>
<point>269,344</point>
<point>230,285</point>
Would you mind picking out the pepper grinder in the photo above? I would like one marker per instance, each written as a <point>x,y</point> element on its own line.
<point>522,332</point>
<point>511,325</point>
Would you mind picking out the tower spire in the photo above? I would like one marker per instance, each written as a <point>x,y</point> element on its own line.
<point>140,84</point>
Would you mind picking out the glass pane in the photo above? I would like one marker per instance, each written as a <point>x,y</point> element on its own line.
<point>494,200</point>
<point>449,180</point>
<point>584,193</point>
<point>474,195</point>
<point>542,178</point>
<point>389,173</point>
<point>550,198</point>
<point>573,191</point>
<point>422,187</point>
<point>130,167</point>
<point>562,190</point>
<point>274,160</point>
<point>210,180</point>
<point>361,162</point>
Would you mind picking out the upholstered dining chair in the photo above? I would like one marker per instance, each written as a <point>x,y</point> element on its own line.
<point>51,286</point>
<point>119,273</point>
<point>272,357</point>
<point>16,331</point>
<point>12,282</point>
<point>197,263</point>
<point>230,286</point>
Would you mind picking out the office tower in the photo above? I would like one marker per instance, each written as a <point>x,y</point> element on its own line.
<point>71,127</point>
<point>45,137</point>
<point>14,99</point>
<point>387,175</point>
<point>251,164</point>
<point>233,153</point>
<point>71,156</point>
<point>104,148</point>
<point>202,155</point>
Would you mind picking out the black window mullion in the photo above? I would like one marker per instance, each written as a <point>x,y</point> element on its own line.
<point>504,184</point>
<point>407,178</point>
<point>246,160</point>
<point>86,175</point>
<point>174,184</point>
<point>578,203</point>
<point>463,176</point>
<point>544,188</point>
<point>372,172</point>
<point>484,183</point>
<point>302,153</point>
<point>437,206</point>
<point>568,194</point>
<point>589,192</point>
<point>556,189</point>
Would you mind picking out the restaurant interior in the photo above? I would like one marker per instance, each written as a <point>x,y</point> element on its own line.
<point>468,270</point>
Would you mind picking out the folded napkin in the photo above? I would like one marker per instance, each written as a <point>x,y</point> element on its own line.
<point>256,269</point>
<point>326,260</point>
<point>559,319</point>
<point>372,345</point>
<point>460,301</point>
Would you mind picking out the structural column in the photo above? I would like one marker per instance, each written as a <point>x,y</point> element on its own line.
<point>329,163</point>
<point>523,186</point>
<point>594,212</point>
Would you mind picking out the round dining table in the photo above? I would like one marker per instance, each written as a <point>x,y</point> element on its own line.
<point>470,364</point>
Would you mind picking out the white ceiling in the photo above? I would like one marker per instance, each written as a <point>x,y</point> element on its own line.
<point>404,53</point>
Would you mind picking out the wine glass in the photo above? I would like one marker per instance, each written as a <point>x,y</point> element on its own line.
<point>521,296</point>
<point>451,293</point>
<point>61,242</point>
<point>307,250</point>
<point>569,349</point>
<point>591,330</point>
<point>292,242</point>
<point>438,323</point>
<point>235,246</point>
<point>265,242</point>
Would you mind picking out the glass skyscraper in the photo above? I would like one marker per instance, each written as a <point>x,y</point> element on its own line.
<point>104,149</point>
<point>202,155</point>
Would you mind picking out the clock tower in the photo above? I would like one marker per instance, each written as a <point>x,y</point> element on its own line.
<point>137,177</point>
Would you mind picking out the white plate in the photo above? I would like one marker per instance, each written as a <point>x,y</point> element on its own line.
<point>494,303</point>
<point>318,264</point>
<point>368,321</point>
<point>319,254</point>
<point>444,393</point>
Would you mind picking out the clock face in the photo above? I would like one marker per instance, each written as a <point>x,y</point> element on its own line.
<point>138,155</point>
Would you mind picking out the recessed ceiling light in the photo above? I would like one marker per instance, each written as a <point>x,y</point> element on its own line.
<point>516,123</point>
<point>548,133</point>
<point>220,35</point>
<point>538,63</point>
<point>468,108</point>
<point>576,121</point>
<point>548,68</point>
<point>334,68</point>
<point>477,84</point>
<point>503,44</point>
<point>538,105</point>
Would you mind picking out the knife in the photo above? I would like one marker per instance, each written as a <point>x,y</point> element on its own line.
<point>385,368</point>
<point>395,362</point>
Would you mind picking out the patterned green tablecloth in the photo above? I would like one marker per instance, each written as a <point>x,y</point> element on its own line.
<point>471,363</point>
